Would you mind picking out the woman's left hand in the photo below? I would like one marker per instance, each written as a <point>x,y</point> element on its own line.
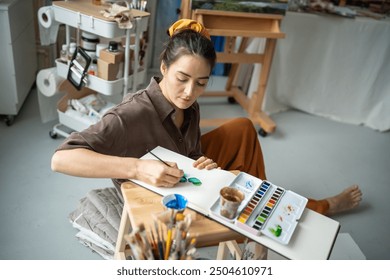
<point>205,163</point>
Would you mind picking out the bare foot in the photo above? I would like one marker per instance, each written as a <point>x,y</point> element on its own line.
<point>344,201</point>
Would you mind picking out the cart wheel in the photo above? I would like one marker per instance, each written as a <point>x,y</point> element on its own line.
<point>9,120</point>
<point>262,132</point>
<point>232,100</point>
<point>52,134</point>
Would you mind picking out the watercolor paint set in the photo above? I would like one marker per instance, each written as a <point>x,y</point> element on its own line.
<point>267,209</point>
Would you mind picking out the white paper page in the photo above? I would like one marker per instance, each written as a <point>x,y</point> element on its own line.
<point>200,198</point>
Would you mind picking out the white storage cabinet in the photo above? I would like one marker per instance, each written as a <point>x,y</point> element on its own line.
<point>17,55</point>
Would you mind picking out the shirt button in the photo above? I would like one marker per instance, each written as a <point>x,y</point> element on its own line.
<point>180,140</point>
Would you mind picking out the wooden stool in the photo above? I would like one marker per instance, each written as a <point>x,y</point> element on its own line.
<point>252,251</point>
<point>233,248</point>
<point>140,203</point>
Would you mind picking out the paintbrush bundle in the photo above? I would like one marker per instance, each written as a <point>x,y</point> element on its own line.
<point>167,239</point>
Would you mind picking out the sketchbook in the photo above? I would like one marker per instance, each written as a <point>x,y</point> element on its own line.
<point>267,209</point>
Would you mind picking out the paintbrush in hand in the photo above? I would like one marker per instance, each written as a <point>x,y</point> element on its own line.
<point>158,158</point>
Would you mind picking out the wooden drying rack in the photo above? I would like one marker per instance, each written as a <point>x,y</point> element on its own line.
<point>232,25</point>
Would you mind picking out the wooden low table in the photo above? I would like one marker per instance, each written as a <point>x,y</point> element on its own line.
<point>140,204</point>
<point>313,239</point>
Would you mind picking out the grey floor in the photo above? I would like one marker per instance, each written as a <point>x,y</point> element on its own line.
<point>311,155</point>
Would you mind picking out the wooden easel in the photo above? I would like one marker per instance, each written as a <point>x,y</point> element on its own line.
<point>246,25</point>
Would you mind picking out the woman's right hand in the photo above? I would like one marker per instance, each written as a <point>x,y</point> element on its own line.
<point>157,173</point>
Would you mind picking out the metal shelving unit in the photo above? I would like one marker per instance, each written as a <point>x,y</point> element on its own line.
<point>85,16</point>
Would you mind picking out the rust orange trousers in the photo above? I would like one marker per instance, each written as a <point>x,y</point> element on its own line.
<point>235,146</point>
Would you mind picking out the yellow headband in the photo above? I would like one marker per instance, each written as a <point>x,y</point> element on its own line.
<point>183,24</point>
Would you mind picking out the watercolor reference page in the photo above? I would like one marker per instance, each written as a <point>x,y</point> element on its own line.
<point>201,187</point>
<point>267,209</point>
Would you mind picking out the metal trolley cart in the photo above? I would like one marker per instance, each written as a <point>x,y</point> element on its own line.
<point>85,16</point>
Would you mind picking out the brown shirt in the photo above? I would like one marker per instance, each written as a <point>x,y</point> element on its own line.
<point>142,121</point>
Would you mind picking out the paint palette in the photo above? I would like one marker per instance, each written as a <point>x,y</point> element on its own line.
<point>245,183</point>
<point>267,209</point>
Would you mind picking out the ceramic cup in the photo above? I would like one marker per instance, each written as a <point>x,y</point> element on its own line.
<point>230,200</point>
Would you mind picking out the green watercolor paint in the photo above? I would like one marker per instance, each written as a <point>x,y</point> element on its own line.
<point>261,219</point>
<point>195,181</point>
<point>276,231</point>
